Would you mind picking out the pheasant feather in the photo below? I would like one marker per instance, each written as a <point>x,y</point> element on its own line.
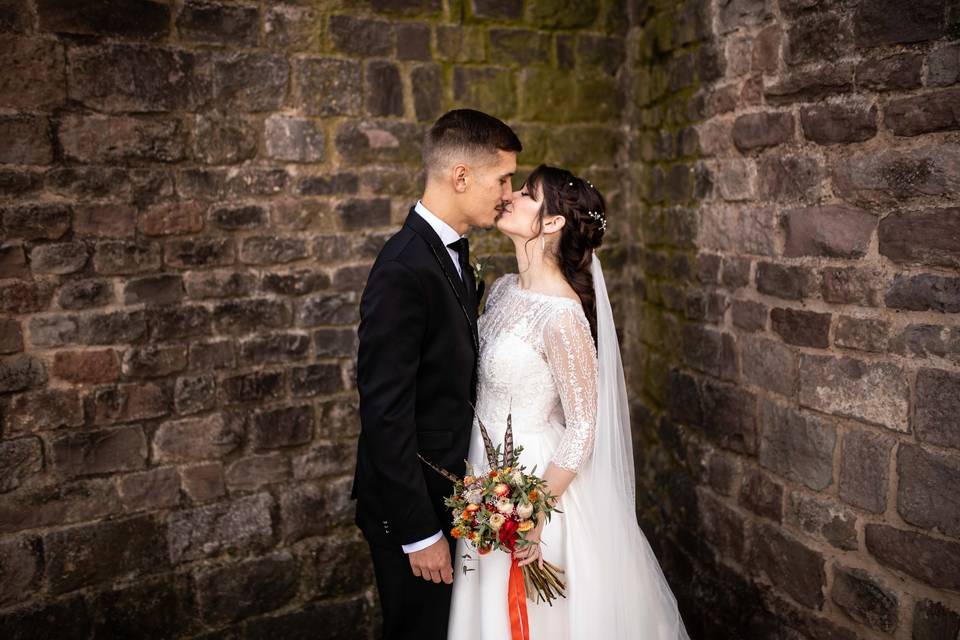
<point>488,445</point>
<point>446,474</point>
<point>487,442</point>
<point>508,443</point>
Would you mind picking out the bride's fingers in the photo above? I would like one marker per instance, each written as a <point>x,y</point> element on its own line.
<point>531,550</point>
<point>534,555</point>
<point>526,549</point>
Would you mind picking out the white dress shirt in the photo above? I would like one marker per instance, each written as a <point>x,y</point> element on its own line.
<point>447,235</point>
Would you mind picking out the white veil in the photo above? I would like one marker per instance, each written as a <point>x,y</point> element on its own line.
<point>615,584</point>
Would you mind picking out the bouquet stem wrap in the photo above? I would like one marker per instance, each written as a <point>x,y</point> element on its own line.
<point>517,603</point>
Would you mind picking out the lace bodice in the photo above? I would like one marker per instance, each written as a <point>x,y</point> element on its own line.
<point>538,361</point>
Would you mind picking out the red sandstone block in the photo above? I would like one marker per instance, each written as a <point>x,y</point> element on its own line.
<point>87,367</point>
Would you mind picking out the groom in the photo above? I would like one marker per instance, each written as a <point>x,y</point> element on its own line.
<point>417,369</point>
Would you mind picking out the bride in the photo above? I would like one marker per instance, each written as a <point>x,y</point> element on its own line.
<point>549,356</point>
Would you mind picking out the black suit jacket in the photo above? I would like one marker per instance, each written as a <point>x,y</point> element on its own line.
<point>417,375</point>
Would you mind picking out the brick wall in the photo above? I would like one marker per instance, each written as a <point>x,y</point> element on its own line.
<point>191,196</point>
<point>797,343</point>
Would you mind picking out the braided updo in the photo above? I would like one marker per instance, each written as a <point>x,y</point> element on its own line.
<point>584,210</point>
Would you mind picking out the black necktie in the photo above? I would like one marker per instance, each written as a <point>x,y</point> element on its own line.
<point>462,247</point>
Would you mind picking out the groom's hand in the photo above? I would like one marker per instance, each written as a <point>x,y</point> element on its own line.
<point>433,563</point>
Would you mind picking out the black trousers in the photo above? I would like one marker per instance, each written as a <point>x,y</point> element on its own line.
<point>413,608</point>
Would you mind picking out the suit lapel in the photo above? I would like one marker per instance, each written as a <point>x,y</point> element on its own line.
<point>442,256</point>
<point>471,286</point>
<point>425,231</point>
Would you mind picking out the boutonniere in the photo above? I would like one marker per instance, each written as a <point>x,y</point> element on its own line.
<point>478,268</point>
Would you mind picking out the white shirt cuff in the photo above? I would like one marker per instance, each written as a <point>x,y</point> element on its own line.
<point>422,544</point>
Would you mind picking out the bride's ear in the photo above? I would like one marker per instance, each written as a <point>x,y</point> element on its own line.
<point>553,224</point>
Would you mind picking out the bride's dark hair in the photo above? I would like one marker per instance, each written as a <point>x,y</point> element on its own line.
<point>584,210</point>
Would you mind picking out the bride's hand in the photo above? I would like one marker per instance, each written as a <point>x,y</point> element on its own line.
<point>531,552</point>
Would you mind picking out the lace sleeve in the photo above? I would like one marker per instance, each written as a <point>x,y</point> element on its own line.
<point>496,291</point>
<point>572,358</point>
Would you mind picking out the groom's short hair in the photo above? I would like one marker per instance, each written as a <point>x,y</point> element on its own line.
<point>464,133</point>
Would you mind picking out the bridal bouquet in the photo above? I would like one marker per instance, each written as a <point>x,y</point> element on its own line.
<point>496,509</point>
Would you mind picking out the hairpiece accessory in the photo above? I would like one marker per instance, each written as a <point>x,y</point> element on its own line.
<point>601,217</point>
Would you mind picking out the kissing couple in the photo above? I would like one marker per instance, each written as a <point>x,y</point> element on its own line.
<point>545,352</point>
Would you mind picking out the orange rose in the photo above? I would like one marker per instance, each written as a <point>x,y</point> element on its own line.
<point>472,508</point>
<point>533,495</point>
<point>526,525</point>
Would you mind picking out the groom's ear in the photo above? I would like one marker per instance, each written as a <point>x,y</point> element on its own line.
<point>459,176</point>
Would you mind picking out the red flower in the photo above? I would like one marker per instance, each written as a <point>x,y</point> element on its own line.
<point>508,533</point>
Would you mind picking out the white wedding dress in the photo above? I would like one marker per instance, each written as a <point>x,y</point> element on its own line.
<point>539,363</point>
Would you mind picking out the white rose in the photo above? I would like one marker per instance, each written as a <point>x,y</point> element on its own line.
<point>524,511</point>
<point>505,507</point>
<point>496,521</point>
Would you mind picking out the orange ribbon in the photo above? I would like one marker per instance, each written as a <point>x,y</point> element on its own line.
<point>517,603</point>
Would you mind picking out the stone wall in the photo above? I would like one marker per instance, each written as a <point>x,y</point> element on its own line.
<point>797,343</point>
<point>192,193</point>
<point>191,196</point>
